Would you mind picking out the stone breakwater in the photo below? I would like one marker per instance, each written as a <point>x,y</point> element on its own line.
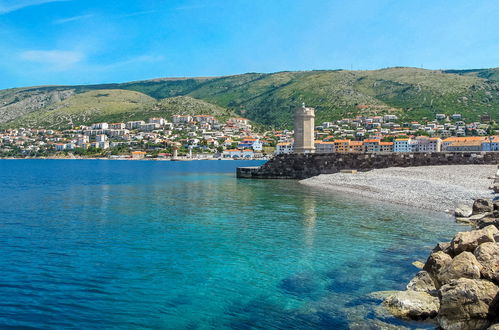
<point>458,285</point>
<point>303,166</point>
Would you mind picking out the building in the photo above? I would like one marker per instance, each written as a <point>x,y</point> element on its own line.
<point>402,145</point>
<point>179,119</point>
<point>324,147</point>
<point>138,154</point>
<point>117,126</point>
<point>426,144</point>
<point>356,146</point>
<point>386,146</point>
<point>156,120</point>
<point>492,144</point>
<point>284,148</point>
<point>304,130</point>
<point>342,146</point>
<point>232,153</point>
<point>134,124</point>
<point>100,126</point>
<point>372,145</point>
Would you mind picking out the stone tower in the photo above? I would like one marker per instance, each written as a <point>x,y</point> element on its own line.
<point>304,130</point>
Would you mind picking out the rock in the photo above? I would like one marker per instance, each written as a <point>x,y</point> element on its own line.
<point>484,222</point>
<point>487,255</point>
<point>476,217</point>
<point>463,211</point>
<point>496,205</point>
<point>422,282</point>
<point>482,206</point>
<point>436,263</point>
<point>465,221</point>
<point>494,327</point>
<point>418,264</point>
<point>463,265</point>
<point>442,246</point>
<point>467,304</point>
<point>412,305</point>
<point>468,241</point>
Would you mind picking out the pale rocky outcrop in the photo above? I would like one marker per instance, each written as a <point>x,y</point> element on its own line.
<point>412,305</point>
<point>463,211</point>
<point>467,304</point>
<point>422,282</point>
<point>487,255</point>
<point>469,241</point>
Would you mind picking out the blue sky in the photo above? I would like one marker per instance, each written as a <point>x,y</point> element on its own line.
<point>97,41</point>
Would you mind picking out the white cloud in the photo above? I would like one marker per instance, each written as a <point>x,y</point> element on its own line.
<point>72,19</point>
<point>7,6</point>
<point>56,60</point>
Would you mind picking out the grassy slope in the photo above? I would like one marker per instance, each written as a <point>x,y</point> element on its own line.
<point>114,105</point>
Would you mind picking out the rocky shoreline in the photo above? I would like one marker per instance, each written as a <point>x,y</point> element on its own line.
<point>437,188</point>
<point>458,286</point>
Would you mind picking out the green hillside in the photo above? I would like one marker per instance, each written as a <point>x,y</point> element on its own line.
<point>268,99</point>
<point>111,105</point>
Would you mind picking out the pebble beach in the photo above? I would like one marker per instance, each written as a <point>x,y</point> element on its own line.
<point>436,188</point>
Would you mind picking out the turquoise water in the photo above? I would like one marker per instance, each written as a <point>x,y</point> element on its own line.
<point>127,244</point>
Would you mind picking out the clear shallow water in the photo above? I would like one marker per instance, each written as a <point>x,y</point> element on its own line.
<point>127,244</point>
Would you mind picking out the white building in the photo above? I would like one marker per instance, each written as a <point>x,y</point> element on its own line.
<point>100,126</point>
<point>134,124</point>
<point>284,148</point>
<point>402,145</point>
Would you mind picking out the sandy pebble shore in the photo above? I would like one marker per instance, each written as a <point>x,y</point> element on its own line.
<point>437,188</point>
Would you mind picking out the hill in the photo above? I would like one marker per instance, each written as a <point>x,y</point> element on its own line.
<point>267,99</point>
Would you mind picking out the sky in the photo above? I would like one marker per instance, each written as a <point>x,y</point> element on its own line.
<point>60,42</point>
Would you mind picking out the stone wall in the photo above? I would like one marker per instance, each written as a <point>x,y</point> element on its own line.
<point>302,166</point>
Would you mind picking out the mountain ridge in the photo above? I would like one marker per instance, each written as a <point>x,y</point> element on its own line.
<point>270,98</point>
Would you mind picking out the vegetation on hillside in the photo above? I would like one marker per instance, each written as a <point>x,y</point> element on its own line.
<point>268,99</point>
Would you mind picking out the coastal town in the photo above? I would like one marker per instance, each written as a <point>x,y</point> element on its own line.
<point>206,137</point>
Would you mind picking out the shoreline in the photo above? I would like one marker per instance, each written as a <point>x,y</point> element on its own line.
<point>435,188</point>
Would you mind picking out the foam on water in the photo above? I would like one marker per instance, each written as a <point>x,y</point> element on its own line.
<point>186,245</point>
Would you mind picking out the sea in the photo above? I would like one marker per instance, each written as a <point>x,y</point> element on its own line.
<point>110,244</point>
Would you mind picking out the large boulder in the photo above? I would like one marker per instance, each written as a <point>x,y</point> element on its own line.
<point>463,211</point>
<point>482,206</point>
<point>494,327</point>
<point>437,262</point>
<point>487,255</point>
<point>422,282</point>
<point>463,265</point>
<point>412,305</point>
<point>469,240</point>
<point>487,221</point>
<point>467,304</point>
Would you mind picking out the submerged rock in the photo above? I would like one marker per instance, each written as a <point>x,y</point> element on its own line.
<point>487,255</point>
<point>467,304</point>
<point>482,206</point>
<point>469,241</point>
<point>418,264</point>
<point>464,265</point>
<point>412,305</point>
<point>422,282</point>
<point>299,284</point>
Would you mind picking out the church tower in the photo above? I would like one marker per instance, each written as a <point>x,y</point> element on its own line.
<point>304,130</point>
